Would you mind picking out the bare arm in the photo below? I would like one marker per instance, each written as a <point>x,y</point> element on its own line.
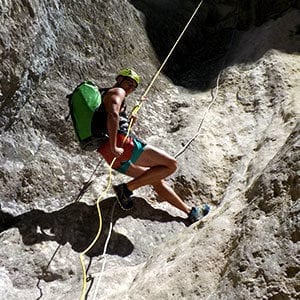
<point>113,100</point>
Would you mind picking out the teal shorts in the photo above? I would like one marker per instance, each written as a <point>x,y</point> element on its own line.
<point>138,149</point>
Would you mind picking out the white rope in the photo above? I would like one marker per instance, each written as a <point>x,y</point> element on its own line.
<point>104,254</point>
<point>214,97</point>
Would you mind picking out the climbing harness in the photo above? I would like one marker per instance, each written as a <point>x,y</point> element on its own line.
<point>134,111</point>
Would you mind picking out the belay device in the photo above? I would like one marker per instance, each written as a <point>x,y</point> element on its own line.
<point>83,103</point>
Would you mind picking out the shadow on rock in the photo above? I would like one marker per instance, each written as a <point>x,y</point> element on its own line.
<point>78,224</point>
<point>217,29</point>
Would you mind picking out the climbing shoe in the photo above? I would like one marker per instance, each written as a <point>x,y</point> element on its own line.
<point>197,213</point>
<point>123,195</point>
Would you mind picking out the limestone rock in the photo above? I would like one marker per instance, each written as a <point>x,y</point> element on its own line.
<point>233,81</point>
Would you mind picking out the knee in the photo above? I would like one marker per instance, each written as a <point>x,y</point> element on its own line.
<point>172,165</point>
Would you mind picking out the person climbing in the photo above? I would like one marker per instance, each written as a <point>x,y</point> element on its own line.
<point>147,165</point>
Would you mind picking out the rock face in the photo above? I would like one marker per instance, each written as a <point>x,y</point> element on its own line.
<point>270,269</point>
<point>214,31</point>
<point>234,76</point>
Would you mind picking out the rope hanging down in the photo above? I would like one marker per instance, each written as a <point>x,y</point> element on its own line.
<point>214,97</point>
<point>104,253</point>
<point>133,113</point>
<point>84,279</point>
<point>143,97</point>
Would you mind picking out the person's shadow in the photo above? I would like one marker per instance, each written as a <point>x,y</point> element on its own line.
<point>78,225</point>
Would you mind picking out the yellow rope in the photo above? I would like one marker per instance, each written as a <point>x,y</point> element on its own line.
<point>84,279</point>
<point>104,253</point>
<point>143,97</point>
<point>83,292</point>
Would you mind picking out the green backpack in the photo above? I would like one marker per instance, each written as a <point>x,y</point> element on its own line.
<point>83,102</point>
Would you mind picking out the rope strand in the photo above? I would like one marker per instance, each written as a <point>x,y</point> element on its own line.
<point>143,97</point>
<point>104,253</point>
<point>202,120</point>
<point>214,97</point>
<point>84,279</point>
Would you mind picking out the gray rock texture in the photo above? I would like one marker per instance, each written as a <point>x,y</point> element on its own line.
<point>233,81</point>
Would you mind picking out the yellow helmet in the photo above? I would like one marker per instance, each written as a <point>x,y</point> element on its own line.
<point>131,74</point>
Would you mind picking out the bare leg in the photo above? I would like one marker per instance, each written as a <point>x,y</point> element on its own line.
<point>160,165</point>
<point>151,168</point>
<point>165,192</point>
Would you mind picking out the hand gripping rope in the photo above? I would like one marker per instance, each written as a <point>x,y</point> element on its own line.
<point>133,114</point>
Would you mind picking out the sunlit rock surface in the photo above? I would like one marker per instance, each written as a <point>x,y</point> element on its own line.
<point>235,74</point>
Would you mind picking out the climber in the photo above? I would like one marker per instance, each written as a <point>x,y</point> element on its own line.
<point>146,164</point>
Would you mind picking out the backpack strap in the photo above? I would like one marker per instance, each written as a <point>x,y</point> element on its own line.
<point>103,91</point>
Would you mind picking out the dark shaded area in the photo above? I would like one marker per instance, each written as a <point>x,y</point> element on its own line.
<point>202,52</point>
<point>78,224</point>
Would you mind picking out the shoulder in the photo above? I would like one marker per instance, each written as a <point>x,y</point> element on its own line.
<point>115,91</point>
<point>114,96</point>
